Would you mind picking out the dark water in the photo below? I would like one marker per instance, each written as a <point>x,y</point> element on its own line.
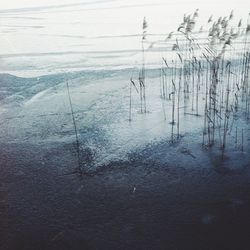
<point>138,204</point>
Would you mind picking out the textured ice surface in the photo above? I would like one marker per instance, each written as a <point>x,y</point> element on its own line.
<point>37,110</point>
<point>97,46</point>
<point>38,38</point>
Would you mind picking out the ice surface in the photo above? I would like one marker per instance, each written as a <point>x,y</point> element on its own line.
<point>96,45</point>
<point>101,108</point>
<point>51,36</point>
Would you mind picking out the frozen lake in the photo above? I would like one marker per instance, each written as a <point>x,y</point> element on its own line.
<point>97,45</point>
<point>52,36</point>
<point>102,150</point>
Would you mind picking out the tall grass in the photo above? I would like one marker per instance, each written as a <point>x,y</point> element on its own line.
<point>75,129</point>
<point>210,76</point>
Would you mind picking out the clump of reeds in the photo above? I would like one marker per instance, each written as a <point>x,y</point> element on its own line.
<point>210,73</point>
